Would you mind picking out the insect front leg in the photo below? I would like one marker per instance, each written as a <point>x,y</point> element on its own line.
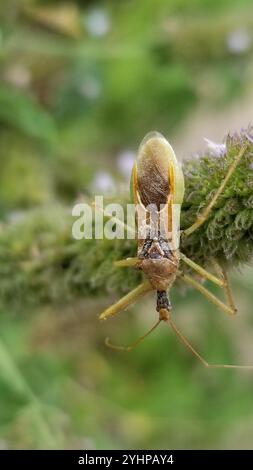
<point>203,216</point>
<point>127,300</point>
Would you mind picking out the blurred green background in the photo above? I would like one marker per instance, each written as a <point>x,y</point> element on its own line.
<point>80,84</point>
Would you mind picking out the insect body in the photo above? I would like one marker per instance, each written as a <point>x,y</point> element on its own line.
<point>158,189</point>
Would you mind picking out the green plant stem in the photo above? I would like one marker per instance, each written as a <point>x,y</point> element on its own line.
<point>40,262</point>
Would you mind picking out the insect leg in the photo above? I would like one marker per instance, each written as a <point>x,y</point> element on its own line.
<point>186,343</point>
<point>223,275</point>
<point>221,281</point>
<point>127,263</point>
<point>209,295</point>
<point>203,272</point>
<point>127,300</point>
<point>135,343</point>
<point>202,217</point>
<point>163,307</point>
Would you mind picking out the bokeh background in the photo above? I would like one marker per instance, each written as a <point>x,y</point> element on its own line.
<point>80,84</point>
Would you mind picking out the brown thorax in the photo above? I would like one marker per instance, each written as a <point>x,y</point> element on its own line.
<point>158,262</point>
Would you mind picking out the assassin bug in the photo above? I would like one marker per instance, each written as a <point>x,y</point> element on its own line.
<point>158,182</point>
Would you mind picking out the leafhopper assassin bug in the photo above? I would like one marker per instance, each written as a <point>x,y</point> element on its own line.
<point>157,187</point>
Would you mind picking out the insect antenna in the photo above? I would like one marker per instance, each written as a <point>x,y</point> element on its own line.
<point>185,341</point>
<point>135,343</point>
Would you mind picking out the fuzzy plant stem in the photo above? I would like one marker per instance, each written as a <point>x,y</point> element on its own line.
<point>40,262</point>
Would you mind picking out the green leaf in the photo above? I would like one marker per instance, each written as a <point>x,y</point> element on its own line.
<point>20,111</point>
